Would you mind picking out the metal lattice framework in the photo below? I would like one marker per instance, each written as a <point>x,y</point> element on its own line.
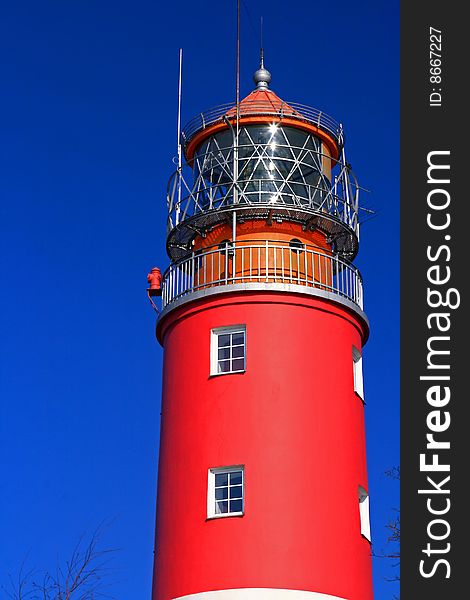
<point>260,179</point>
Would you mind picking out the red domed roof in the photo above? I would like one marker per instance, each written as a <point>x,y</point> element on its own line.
<point>262,105</point>
<point>263,101</point>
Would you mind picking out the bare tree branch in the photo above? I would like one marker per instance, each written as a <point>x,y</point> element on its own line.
<point>85,576</point>
<point>393,552</point>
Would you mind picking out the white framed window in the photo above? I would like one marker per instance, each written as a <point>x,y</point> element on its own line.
<point>364,513</point>
<point>357,371</point>
<point>226,492</point>
<point>228,350</point>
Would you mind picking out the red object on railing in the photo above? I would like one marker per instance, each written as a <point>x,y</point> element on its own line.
<point>154,279</point>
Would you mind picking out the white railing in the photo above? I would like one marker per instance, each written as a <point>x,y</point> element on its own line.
<point>293,110</point>
<point>264,261</point>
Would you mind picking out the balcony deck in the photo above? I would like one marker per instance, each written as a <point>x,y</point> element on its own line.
<point>263,264</point>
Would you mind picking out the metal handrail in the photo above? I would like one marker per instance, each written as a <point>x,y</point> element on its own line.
<point>263,261</point>
<point>293,110</point>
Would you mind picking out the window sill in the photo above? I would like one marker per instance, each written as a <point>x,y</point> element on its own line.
<point>228,373</point>
<point>225,516</point>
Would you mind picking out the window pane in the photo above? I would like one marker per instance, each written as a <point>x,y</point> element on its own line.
<point>224,366</point>
<point>238,338</point>
<point>221,493</point>
<point>364,513</point>
<point>236,505</point>
<point>357,371</point>
<point>236,478</point>
<point>238,351</point>
<point>236,492</point>
<point>238,364</point>
<point>224,340</point>
<point>221,479</point>
<point>224,353</point>
<point>221,508</point>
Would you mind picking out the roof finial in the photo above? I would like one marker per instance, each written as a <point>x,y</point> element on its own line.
<point>262,77</point>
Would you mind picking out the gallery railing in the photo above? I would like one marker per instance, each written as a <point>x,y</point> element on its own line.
<point>264,261</point>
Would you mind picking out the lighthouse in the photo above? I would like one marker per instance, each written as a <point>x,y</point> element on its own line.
<point>262,482</point>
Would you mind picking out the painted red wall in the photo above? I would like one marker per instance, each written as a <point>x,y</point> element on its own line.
<point>296,424</point>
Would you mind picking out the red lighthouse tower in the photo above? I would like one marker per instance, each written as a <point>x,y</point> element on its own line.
<point>262,485</point>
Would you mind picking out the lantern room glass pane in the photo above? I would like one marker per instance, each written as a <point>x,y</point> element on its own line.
<point>276,164</point>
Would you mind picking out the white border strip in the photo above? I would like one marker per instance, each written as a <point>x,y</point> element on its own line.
<point>257,593</point>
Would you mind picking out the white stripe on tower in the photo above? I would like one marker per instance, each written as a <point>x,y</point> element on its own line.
<point>257,593</point>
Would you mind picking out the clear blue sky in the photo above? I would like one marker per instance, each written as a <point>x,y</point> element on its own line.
<point>88,111</point>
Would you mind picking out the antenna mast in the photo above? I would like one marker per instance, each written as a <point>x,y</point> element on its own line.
<point>261,44</point>
<point>180,73</point>
<point>237,131</point>
<point>238,59</point>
